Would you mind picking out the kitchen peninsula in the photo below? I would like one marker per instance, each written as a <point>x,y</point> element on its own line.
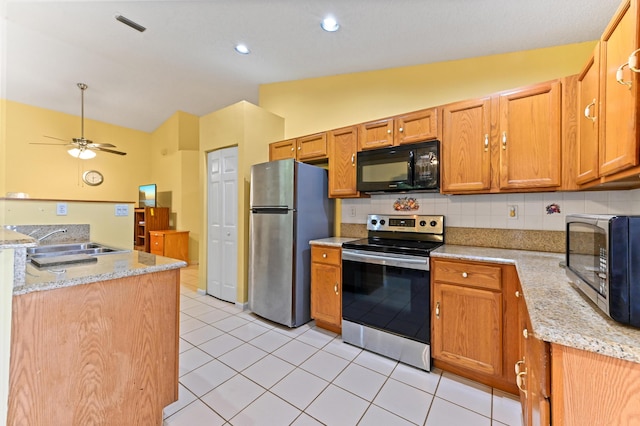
<point>94,343</point>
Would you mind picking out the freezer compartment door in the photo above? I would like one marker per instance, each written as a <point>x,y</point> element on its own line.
<point>272,184</point>
<point>271,275</point>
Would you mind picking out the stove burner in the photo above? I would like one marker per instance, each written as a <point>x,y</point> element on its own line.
<point>385,245</point>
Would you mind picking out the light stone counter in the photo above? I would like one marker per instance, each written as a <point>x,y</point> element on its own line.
<point>559,313</point>
<point>108,267</point>
<point>332,241</point>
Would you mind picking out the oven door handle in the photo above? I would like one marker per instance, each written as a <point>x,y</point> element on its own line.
<point>411,262</point>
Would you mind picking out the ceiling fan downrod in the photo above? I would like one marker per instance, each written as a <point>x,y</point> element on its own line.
<point>82,87</point>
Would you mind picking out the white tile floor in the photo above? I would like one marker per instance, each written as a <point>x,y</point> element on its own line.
<point>239,369</point>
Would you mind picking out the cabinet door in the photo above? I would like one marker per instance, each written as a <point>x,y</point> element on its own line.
<point>416,127</point>
<point>529,137</point>
<point>375,134</point>
<point>312,147</point>
<point>588,119</point>
<point>157,243</point>
<point>619,109</point>
<point>326,294</point>
<point>282,150</point>
<point>467,327</point>
<point>343,146</point>
<point>466,154</point>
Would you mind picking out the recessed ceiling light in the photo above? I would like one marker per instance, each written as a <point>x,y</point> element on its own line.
<point>243,49</point>
<point>330,24</point>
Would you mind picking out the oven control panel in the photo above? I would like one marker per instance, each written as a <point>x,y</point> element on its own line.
<point>406,223</point>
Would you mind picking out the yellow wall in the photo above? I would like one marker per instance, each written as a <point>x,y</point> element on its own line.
<point>174,168</point>
<point>251,129</point>
<point>105,227</point>
<point>325,103</point>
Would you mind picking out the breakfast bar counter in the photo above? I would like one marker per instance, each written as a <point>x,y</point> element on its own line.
<point>559,313</point>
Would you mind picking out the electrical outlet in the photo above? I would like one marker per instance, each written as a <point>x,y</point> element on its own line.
<point>352,212</point>
<point>61,209</point>
<point>513,211</point>
<point>122,210</point>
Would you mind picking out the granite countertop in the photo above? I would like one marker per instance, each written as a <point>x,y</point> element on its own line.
<point>332,241</point>
<point>559,312</point>
<point>13,239</point>
<point>108,267</point>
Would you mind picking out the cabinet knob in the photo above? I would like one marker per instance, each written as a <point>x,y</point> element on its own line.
<point>389,131</point>
<point>353,160</point>
<point>517,293</point>
<point>335,288</point>
<point>401,129</point>
<point>292,149</point>
<point>438,310</point>
<point>324,255</point>
<point>486,142</point>
<point>465,275</point>
<point>525,333</point>
<point>504,140</point>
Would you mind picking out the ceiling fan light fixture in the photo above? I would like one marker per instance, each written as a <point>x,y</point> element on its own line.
<point>83,154</point>
<point>130,23</point>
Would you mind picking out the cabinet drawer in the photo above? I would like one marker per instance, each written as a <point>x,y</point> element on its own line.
<point>156,245</point>
<point>468,274</point>
<point>325,254</point>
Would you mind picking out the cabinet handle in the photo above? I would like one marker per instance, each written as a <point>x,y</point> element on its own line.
<point>519,382</point>
<point>353,160</point>
<point>633,61</point>
<point>335,288</point>
<point>400,129</point>
<point>518,364</point>
<point>486,142</point>
<point>587,111</point>
<point>620,74</point>
<point>525,333</point>
<point>504,140</point>
<point>438,310</point>
<point>324,255</point>
<point>465,275</point>
<point>517,293</point>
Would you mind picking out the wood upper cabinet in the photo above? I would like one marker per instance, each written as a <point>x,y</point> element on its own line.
<point>306,148</point>
<point>408,128</point>
<point>506,142</point>
<point>282,150</point>
<point>466,151</point>
<point>326,287</point>
<point>619,99</point>
<point>312,147</point>
<point>588,120</point>
<point>343,147</point>
<point>474,320</point>
<point>529,137</point>
<point>417,126</point>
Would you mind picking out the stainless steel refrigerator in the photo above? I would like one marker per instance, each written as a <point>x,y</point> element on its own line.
<point>289,206</point>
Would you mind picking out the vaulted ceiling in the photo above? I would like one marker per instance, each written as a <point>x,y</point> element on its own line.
<point>185,59</point>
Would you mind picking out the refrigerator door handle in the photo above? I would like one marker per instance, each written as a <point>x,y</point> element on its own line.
<point>271,210</point>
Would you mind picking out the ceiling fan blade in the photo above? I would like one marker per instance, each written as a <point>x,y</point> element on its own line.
<point>53,137</point>
<point>100,145</point>
<point>45,143</point>
<point>112,151</point>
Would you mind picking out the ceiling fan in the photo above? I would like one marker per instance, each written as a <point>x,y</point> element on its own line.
<point>81,147</point>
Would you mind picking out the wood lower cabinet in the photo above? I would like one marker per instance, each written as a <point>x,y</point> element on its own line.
<point>170,243</point>
<point>523,153</point>
<point>103,353</point>
<point>326,287</point>
<point>474,321</point>
<point>343,147</point>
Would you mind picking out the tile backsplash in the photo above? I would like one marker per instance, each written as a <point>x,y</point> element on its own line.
<point>538,211</point>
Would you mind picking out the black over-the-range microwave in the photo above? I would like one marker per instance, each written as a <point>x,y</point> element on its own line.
<point>414,167</point>
<point>603,261</point>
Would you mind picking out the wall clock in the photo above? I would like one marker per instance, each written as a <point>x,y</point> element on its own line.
<point>92,177</point>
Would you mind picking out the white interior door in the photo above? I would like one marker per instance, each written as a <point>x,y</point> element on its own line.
<point>222,218</point>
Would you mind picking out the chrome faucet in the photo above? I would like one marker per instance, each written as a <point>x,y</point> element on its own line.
<point>61,230</point>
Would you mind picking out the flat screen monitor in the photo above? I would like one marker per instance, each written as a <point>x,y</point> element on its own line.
<point>147,195</point>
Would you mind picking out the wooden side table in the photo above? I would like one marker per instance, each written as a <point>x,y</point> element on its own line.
<point>170,243</point>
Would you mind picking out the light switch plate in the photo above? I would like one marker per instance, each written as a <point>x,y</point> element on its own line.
<point>61,209</point>
<point>122,210</point>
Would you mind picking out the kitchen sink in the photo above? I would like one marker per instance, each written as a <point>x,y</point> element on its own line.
<point>69,250</point>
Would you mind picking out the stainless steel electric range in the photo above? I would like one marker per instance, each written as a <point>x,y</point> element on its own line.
<point>386,287</point>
